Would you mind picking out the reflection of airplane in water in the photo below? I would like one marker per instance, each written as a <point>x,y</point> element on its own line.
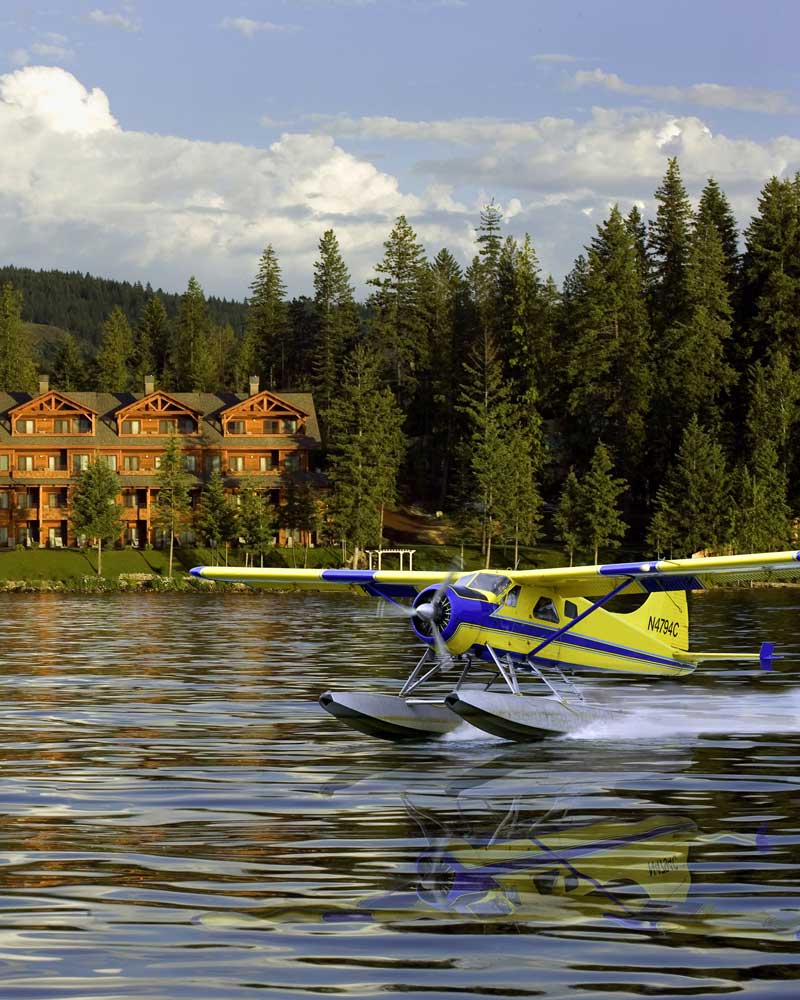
<point>495,854</point>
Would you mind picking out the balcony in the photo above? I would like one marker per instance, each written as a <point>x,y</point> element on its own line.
<point>26,514</point>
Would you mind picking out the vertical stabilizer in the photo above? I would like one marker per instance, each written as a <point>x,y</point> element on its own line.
<point>665,616</point>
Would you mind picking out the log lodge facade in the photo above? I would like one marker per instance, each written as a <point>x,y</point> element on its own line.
<point>48,438</point>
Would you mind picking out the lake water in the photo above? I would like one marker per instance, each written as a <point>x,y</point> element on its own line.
<point>178,817</point>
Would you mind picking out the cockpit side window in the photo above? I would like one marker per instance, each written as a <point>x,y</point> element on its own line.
<point>545,610</point>
<point>570,609</point>
<point>512,597</point>
<point>494,583</point>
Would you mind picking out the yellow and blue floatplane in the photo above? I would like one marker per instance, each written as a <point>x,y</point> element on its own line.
<point>490,635</point>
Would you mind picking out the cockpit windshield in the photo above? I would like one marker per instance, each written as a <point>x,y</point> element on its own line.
<point>492,583</point>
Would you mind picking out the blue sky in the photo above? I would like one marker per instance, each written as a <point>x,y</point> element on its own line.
<point>152,141</point>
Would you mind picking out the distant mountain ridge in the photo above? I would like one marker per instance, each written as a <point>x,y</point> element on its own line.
<point>81,303</point>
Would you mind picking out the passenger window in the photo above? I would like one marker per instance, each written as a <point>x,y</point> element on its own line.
<point>545,610</point>
<point>512,597</point>
<point>570,609</point>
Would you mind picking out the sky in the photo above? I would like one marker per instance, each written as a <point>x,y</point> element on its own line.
<point>153,140</point>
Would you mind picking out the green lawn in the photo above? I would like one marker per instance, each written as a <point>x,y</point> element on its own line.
<point>72,565</point>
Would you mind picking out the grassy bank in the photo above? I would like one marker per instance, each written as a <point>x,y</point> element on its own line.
<point>129,569</point>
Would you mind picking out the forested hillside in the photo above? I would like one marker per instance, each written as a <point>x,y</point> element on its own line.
<point>654,396</point>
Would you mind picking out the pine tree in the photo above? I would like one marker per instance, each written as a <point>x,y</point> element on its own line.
<point>485,400</point>
<point>267,319</point>
<point>567,517</point>
<point>300,509</point>
<point>94,511</point>
<point>760,512</point>
<point>190,361</point>
<point>214,521</point>
<point>366,448</point>
<point>693,504</point>
<point>69,367</point>
<point>599,493</point>
<point>222,348</point>
<point>445,306</point>
<point>17,369</point>
<point>695,374</point>
<point>669,244</point>
<point>257,519</point>
<point>172,502</point>
<point>398,318</point>
<point>610,364</point>
<point>520,506</point>
<point>772,272</point>
<point>336,320</point>
<point>153,340</point>
<point>112,364</point>
<point>714,209</point>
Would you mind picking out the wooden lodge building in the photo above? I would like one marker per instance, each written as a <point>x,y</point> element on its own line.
<point>48,438</point>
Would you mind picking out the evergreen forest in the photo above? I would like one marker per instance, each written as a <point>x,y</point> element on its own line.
<point>652,400</point>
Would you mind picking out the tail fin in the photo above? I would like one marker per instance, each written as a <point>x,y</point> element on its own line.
<point>665,614</point>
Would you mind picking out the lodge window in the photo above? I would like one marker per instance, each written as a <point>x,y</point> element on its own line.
<point>236,427</point>
<point>4,501</point>
<point>26,426</point>
<point>129,499</point>
<point>187,425</point>
<point>292,462</point>
<point>190,463</point>
<point>3,463</point>
<point>545,610</point>
<point>266,463</point>
<point>289,425</point>
<point>80,462</point>
<point>131,427</point>
<point>157,462</point>
<point>167,426</point>
<point>24,501</point>
<point>57,463</point>
<point>82,425</point>
<point>25,463</point>
<point>130,463</point>
<point>62,426</point>
<point>3,535</point>
<point>236,463</point>
<point>272,426</point>
<point>110,461</point>
<point>57,500</point>
<point>213,463</point>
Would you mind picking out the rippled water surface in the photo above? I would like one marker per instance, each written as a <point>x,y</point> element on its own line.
<point>178,817</point>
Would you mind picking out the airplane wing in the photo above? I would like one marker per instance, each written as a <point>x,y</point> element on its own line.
<point>378,583</point>
<point>649,576</point>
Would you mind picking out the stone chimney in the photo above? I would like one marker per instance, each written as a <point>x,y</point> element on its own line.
<point>254,385</point>
<point>149,384</point>
<point>44,384</point>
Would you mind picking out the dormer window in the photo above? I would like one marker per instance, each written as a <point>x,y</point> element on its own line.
<point>236,427</point>
<point>131,427</point>
<point>26,426</point>
<point>186,425</point>
<point>272,426</point>
<point>167,426</point>
<point>82,425</point>
<point>289,425</point>
<point>62,426</point>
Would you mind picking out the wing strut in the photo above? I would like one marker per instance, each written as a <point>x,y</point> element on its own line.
<point>584,614</point>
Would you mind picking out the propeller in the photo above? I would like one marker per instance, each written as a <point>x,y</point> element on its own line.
<point>432,614</point>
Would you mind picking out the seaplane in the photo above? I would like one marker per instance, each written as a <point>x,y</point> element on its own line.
<point>502,647</point>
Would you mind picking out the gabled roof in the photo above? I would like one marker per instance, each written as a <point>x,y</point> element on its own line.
<point>263,404</point>
<point>157,404</point>
<point>51,402</point>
